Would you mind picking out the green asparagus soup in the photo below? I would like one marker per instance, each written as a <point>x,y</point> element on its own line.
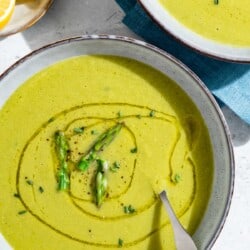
<point>86,146</point>
<point>220,20</point>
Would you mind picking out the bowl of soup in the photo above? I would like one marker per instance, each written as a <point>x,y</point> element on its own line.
<point>213,27</point>
<point>92,129</point>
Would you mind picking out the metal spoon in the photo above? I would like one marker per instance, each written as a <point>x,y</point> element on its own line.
<point>183,240</point>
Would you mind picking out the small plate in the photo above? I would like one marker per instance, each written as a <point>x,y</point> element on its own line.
<point>26,13</point>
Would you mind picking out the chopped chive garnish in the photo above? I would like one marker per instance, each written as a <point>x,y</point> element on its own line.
<point>29,182</point>
<point>41,190</point>
<point>94,132</point>
<point>22,212</point>
<point>51,119</point>
<point>115,167</point>
<point>119,114</point>
<point>133,150</point>
<point>120,242</point>
<point>128,209</point>
<point>79,130</point>
<point>138,116</point>
<point>177,178</point>
<point>216,2</point>
<point>152,113</point>
<point>16,195</point>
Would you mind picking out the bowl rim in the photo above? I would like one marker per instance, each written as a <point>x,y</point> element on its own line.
<point>179,64</point>
<point>223,57</point>
<point>30,23</point>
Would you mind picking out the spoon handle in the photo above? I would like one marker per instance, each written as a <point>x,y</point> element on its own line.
<point>183,240</point>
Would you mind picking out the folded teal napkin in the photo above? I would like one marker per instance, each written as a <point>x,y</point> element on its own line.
<point>229,82</point>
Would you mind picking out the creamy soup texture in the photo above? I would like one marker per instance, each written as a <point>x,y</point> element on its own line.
<point>227,22</point>
<point>162,144</point>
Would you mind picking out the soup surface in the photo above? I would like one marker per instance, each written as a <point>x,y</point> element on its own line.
<point>162,144</point>
<point>227,22</point>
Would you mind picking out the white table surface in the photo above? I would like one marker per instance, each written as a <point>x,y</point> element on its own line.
<point>76,17</point>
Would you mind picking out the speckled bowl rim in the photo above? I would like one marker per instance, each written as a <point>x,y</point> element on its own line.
<point>214,55</point>
<point>30,23</point>
<point>179,64</point>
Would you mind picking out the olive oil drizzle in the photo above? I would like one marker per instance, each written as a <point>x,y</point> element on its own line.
<point>151,202</point>
<point>168,118</point>
<point>110,197</point>
<point>119,217</point>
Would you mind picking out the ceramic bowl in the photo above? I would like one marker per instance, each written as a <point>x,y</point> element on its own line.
<point>197,42</point>
<point>221,194</point>
<point>26,13</point>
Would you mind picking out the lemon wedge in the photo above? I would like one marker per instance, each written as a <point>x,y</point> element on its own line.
<point>6,11</point>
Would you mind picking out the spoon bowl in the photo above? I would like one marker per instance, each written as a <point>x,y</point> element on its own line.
<point>183,240</point>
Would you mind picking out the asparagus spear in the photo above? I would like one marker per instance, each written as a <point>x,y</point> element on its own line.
<point>107,137</point>
<point>62,148</point>
<point>101,181</point>
<point>103,140</point>
<point>85,161</point>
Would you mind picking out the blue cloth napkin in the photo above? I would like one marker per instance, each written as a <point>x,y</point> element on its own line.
<point>229,82</point>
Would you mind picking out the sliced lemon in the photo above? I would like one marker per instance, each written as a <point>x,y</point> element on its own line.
<point>6,11</point>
